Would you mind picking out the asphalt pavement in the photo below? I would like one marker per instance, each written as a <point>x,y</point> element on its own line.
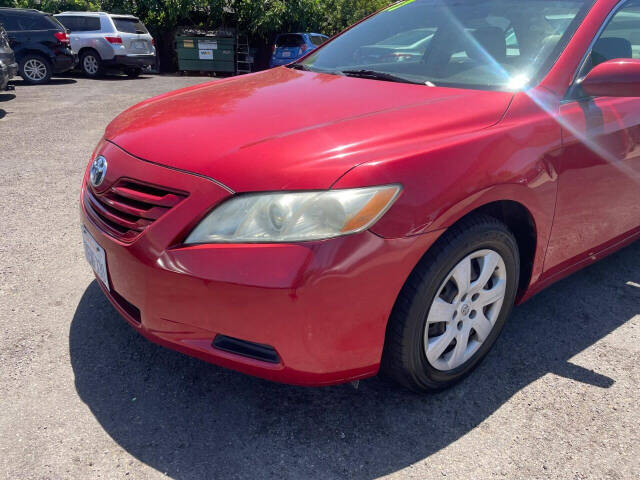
<point>82,396</point>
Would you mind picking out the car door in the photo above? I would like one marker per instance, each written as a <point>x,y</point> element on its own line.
<point>598,202</point>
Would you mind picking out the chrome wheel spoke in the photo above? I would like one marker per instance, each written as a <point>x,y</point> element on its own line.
<point>482,326</point>
<point>496,294</point>
<point>441,311</point>
<point>489,265</point>
<point>437,345</point>
<point>462,276</point>
<point>458,354</point>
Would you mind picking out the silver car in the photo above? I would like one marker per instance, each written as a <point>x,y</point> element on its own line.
<point>104,41</point>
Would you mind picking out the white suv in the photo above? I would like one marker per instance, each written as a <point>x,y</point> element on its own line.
<point>105,41</point>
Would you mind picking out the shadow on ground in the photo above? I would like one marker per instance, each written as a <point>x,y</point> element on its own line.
<point>193,420</point>
<point>53,81</point>
<point>108,76</point>
<point>5,97</point>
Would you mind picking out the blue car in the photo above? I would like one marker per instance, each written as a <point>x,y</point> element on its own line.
<point>291,46</point>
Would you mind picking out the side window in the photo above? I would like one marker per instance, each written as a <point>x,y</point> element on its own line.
<point>513,47</point>
<point>10,22</point>
<point>70,23</point>
<point>317,40</point>
<point>620,38</point>
<point>92,24</point>
<point>35,22</point>
<point>80,24</point>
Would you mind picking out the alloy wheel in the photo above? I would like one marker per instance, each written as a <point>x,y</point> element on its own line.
<point>35,70</point>
<point>465,309</point>
<point>90,64</point>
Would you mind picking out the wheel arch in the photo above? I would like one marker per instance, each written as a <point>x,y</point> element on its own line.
<point>31,50</point>
<point>84,50</point>
<point>521,223</point>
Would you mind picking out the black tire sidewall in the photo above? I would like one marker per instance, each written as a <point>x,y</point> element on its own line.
<point>46,63</point>
<point>497,239</point>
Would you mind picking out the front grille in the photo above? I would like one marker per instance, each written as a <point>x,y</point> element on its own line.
<point>126,209</point>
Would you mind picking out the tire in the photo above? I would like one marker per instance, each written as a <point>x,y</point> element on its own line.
<point>133,72</point>
<point>35,69</point>
<point>91,64</point>
<point>421,351</point>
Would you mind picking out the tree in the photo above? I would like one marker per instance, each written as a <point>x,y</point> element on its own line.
<point>260,19</point>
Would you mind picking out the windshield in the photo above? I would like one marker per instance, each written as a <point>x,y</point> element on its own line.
<point>130,25</point>
<point>482,44</point>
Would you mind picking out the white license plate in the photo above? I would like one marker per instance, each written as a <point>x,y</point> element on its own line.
<point>96,257</point>
<point>139,45</point>
<point>286,54</point>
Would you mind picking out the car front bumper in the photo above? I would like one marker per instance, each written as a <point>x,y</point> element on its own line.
<point>322,306</point>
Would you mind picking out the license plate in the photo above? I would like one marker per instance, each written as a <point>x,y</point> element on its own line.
<point>96,257</point>
<point>286,54</point>
<point>139,45</point>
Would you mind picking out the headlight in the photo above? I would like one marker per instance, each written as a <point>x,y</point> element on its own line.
<point>294,217</point>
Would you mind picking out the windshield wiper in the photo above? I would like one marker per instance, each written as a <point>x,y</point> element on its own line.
<point>374,75</point>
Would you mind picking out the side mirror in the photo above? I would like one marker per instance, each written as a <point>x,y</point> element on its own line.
<point>613,78</point>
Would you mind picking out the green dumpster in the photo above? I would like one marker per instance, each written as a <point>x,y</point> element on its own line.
<point>206,53</point>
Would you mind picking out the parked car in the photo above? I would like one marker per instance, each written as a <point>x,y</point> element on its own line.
<point>291,46</point>
<point>385,216</point>
<point>105,41</point>
<point>8,65</point>
<point>40,44</point>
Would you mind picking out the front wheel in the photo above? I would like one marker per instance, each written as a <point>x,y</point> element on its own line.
<point>35,69</point>
<point>453,306</point>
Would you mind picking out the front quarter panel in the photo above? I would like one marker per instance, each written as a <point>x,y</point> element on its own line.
<point>515,160</point>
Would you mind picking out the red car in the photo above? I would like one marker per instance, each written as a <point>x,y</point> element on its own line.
<point>325,221</point>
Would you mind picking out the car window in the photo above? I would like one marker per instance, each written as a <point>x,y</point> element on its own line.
<point>483,44</point>
<point>317,40</point>
<point>10,22</point>
<point>129,25</point>
<point>80,24</point>
<point>289,40</point>
<point>621,37</point>
<point>70,23</point>
<point>513,48</point>
<point>36,21</point>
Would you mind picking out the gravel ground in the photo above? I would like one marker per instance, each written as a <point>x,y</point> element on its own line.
<point>83,396</point>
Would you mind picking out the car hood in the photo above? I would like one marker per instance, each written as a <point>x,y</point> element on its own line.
<point>288,129</point>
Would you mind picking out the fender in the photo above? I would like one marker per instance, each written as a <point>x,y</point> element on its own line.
<point>25,49</point>
<point>541,208</point>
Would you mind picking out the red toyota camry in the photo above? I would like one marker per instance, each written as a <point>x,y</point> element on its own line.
<point>381,204</point>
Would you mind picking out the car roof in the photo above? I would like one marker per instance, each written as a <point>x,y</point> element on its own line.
<point>302,33</point>
<point>96,14</point>
<point>31,10</point>
<point>83,14</point>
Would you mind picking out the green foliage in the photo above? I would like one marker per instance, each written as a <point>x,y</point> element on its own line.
<point>260,19</point>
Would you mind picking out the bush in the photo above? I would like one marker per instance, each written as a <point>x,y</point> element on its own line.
<point>260,19</point>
